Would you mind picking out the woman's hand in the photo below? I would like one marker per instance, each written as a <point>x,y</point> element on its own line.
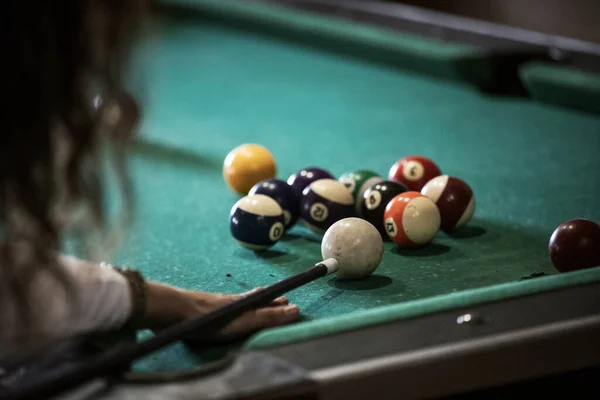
<point>167,305</point>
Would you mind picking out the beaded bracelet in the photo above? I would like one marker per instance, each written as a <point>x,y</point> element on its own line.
<point>137,286</point>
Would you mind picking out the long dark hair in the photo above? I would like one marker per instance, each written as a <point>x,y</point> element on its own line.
<point>59,57</point>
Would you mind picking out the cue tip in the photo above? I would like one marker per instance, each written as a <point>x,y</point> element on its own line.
<point>332,265</point>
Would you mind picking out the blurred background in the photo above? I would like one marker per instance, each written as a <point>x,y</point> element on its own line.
<point>573,18</point>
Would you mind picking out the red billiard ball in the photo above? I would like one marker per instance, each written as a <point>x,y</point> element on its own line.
<point>454,199</point>
<point>575,245</point>
<point>411,219</point>
<point>414,172</point>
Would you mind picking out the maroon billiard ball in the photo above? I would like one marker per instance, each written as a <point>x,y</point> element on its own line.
<point>454,198</point>
<point>575,245</point>
<point>414,172</point>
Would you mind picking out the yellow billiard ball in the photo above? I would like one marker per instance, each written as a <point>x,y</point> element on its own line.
<point>246,165</point>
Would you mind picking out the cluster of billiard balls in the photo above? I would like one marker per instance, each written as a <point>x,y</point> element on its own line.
<point>409,207</point>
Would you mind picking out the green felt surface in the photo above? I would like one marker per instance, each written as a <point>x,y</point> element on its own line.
<point>209,87</point>
<point>441,59</point>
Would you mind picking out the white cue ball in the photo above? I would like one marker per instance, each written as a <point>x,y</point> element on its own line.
<point>357,246</point>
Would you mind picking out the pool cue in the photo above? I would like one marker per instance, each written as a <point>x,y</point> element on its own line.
<point>112,360</point>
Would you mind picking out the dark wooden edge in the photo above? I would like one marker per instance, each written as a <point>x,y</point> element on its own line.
<point>497,38</point>
<point>504,343</point>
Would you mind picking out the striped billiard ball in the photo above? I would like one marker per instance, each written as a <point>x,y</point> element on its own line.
<point>414,172</point>
<point>454,199</point>
<point>374,201</point>
<point>256,222</point>
<point>283,194</point>
<point>358,182</point>
<point>411,219</point>
<point>301,179</point>
<point>325,202</point>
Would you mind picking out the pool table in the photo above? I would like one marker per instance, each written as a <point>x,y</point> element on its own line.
<point>342,87</point>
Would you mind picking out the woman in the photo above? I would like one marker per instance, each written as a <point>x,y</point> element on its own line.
<point>57,54</point>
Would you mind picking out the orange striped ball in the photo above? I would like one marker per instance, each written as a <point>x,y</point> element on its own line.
<point>411,219</point>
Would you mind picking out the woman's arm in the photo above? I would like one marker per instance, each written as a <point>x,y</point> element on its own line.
<point>97,299</point>
<point>103,300</point>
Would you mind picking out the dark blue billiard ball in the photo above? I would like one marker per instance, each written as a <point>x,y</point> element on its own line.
<point>256,222</point>
<point>324,202</point>
<point>301,179</point>
<point>283,194</point>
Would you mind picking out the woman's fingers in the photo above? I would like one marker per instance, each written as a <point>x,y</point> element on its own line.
<point>280,301</point>
<point>278,312</point>
<point>266,317</point>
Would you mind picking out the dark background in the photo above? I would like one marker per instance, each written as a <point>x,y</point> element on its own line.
<point>573,18</point>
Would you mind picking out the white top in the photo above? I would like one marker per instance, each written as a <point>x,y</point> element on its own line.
<point>101,302</point>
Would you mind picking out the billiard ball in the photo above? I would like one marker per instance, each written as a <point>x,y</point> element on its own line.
<point>374,201</point>
<point>411,219</point>
<point>575,245</point>
<point>356,245</point>
<point>301,179</point>
<point>358,182</point>
<point>283,194</point>
<point>256,222</point>
<point>324,202</point>
<point>414,172</point>
<point>454,199</point>
<point>246,165</point>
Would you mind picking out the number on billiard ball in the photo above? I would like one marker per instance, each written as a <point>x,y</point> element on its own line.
<point>374,200</point>
<point>276,231</point>
<point>390,227</point>
<point>318,212</point>
<point>414,172</point>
